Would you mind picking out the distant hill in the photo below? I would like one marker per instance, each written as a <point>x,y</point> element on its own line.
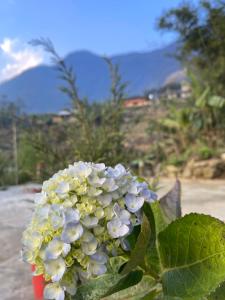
<point>38,87</point>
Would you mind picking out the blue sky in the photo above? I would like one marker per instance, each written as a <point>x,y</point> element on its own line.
<point>101,26</point>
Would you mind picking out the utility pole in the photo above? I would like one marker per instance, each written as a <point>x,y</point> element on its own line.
<point>14,131</point>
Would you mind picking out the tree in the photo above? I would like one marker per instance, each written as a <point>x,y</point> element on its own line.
<point>10,119</point>
<point>201,40</point>
<point>201,43</point>
<point>96,134</point>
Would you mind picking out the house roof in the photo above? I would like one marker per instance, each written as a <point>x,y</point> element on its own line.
<point>135,98</point>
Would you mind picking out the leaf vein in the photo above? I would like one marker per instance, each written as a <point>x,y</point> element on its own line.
<point>192,264</point>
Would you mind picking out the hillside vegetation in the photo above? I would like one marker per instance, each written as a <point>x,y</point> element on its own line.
<point>175,132</point>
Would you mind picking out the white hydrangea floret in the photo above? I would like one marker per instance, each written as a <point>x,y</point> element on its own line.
<point>134,203</point>
<point>54,291</point>
<point>122,214</point>
<point>89,248</point>
<point>55,268</point>
<point>63,188</point>
<point>116,228</point>
<point>105,199</point>
<point>90,222</point>
<point>56,248</point>
<point>71,215</point>
<point>72,232</point>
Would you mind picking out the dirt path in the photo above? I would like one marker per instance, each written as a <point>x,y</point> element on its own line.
<point>16,207</point>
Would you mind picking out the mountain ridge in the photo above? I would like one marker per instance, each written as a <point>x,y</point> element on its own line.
<point>38,87</point>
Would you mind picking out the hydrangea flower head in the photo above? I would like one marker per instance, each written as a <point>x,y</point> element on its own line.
<point>82,218</point>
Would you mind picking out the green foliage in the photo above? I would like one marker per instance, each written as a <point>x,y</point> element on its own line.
<point>132,286</point>
<point>175,160</point>
<point>189,129</point>
<point>143,289</point>
<point>131,279</point>
<point>185,123</point>
<point>4,165</point>
<point>216,101</point>
<point>205,152</point>
<point>138,253</point>
<point>157,153</point>
<point>93,132</point>
<point>160,214</point>
<point>28,159</point>
<point>202,40</point>
<point>9,112</point>
<point>190,254</point>
<point>96,134</point>
<point>42,150</point>
<point>218,294</point>
<point>95,289</point>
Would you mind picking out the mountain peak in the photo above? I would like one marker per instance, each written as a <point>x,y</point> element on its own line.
<point>38,87</point>
<point>81,53</point>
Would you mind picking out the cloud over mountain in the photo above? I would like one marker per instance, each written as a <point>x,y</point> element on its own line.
<point>16,57</point>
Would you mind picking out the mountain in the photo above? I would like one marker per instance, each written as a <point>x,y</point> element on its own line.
<point>38,87</point>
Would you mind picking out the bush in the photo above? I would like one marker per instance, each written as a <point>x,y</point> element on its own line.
<point>25,176</point>
<point>176,161</point>
<point>205,152</point>
<point>7,175</point>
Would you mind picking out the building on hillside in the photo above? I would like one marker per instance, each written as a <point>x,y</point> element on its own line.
<point>153,94</point>
<point>65,113</point>
<point>62,116</point>
<point>185,90</point>
<point>56,119</point>
<point>172,91</point>
<point>136,102</point>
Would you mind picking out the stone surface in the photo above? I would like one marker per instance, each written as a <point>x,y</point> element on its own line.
<point>16,208</point>
<point>206,169</point>
<point>187,173</point>
<point>171,171</point>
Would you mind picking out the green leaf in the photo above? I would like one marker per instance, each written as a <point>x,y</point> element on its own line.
<point>132,238</point>
<point>219,293</point>
<point>156,218</point>
<point>138,253</point>
<point>157,223</point>
<point>148,211</point>
<point>94,289</point>
<point>167,209</point>
<point>171,203</point>
<point>203,99</point>
<point>150,296</point>
<point>216,101</point>
<point>170,123</point>
<point>159,217</point>
<point>136,292</point>
<point>192,252</point>
<point>125,282</point>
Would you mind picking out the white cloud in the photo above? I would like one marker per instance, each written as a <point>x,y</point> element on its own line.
<point>16,57</point>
